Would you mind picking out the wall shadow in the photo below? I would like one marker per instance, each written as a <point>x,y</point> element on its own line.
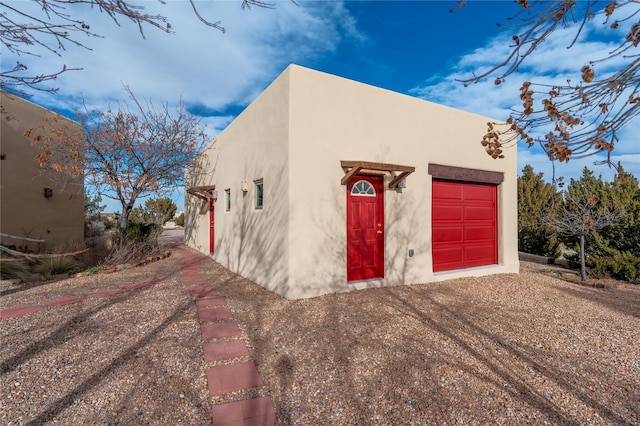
<point>252,242</point>
<point>347,343</point>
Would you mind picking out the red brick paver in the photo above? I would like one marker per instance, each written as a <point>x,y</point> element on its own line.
<point>219,330</point>
<point>19,310</point>
<point>207,315</point>
<point>232,377</point>
<point>250,412</point>
<point>27,309</point>
<point>222,351</point>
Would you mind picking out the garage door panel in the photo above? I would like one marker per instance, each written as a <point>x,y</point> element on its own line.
<point>448,191</point>
<point>486,213</point>
<point>478,192</point>
<point>479,233</point>
<point>448,235</point>
<point>479,252</point>
<point>447,256</point>
<point>464,225</point>
<point>447,212</point>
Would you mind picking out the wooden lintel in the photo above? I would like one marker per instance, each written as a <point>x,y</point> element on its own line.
<point>369,165</point>
<point>203,192</point>
<point>439,171</point>
<point>351,173</point>
<point>352,168</point>
<point>394,183</point>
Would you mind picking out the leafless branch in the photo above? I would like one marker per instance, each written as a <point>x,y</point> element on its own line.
<point>54,29</point>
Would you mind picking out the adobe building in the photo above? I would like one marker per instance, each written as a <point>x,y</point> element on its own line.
<point>324,185</point>
<point>32,206</point>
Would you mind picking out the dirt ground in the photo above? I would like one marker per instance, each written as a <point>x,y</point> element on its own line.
<point>528,348</point>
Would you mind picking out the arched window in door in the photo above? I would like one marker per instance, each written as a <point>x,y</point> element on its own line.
<point>362,188</point>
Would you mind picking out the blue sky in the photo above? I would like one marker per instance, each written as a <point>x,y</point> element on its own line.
<point>416,48</point>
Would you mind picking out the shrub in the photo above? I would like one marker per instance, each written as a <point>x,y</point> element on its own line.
<point>130,251</point>
<point>99,249</point>
<point>109,222</point>
<point>94,227</point>
<point>139,232</point>
<point>13,269</point>
<point>56,265</point>
<point>620,265</point>
<point>142,231</point>
<point>539,240</point>
<point>180,219</point>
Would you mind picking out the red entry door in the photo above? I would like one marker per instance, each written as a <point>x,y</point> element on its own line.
<point>211,225</point>
<point>365,228</point>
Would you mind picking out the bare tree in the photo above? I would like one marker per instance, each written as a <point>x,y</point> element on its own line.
<point>126,155</point>
<point>580,217</point>
<point>571,119</point>
<point>54,28</point>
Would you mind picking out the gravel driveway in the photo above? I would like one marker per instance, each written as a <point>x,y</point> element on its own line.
<point>507,349</point>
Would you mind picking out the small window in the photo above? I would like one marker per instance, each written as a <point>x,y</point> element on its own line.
<point>362,188</point>
<point>227,200</point>
<point>259,193</point>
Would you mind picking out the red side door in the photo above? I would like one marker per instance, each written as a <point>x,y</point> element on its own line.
<point>365,228</point>
<point>464,225</point>
<point>211,235</point>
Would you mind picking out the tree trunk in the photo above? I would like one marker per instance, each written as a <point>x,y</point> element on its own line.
<point>583,264</point>
<point>124,221</point>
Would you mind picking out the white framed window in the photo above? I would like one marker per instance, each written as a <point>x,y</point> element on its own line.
<point>363,188</point>
<point>259,197</point>
<point>227,199</point>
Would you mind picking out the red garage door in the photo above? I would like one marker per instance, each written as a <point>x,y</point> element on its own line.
<point>463,225</point>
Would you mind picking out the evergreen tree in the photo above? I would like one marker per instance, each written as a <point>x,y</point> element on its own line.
<point>92,206</point>
<point>624,235</point>
<point>161,208</point>
<point>612,250</point>
<point>537,203</point>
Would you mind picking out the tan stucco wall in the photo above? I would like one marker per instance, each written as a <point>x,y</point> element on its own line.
<point>254,146</point>
<point>332,119</point>
<point>335,119</point>
<point>24,211</point>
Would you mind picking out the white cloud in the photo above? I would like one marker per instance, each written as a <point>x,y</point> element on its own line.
<point>200,64</point>
<point>218,72</point>
<point>551,63</point>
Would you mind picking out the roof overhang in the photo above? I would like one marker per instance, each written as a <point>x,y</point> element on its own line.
<point>203,192</point>
<point>352,168</point>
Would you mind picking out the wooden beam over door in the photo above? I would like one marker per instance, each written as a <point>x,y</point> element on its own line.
<point>203,192</point>
<point>352,168</point>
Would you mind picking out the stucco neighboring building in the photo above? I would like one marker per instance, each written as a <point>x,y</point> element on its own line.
<point>325,185</point>
<point>31,204</point>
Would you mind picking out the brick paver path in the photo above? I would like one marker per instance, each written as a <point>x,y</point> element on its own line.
<point>222,342</point>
